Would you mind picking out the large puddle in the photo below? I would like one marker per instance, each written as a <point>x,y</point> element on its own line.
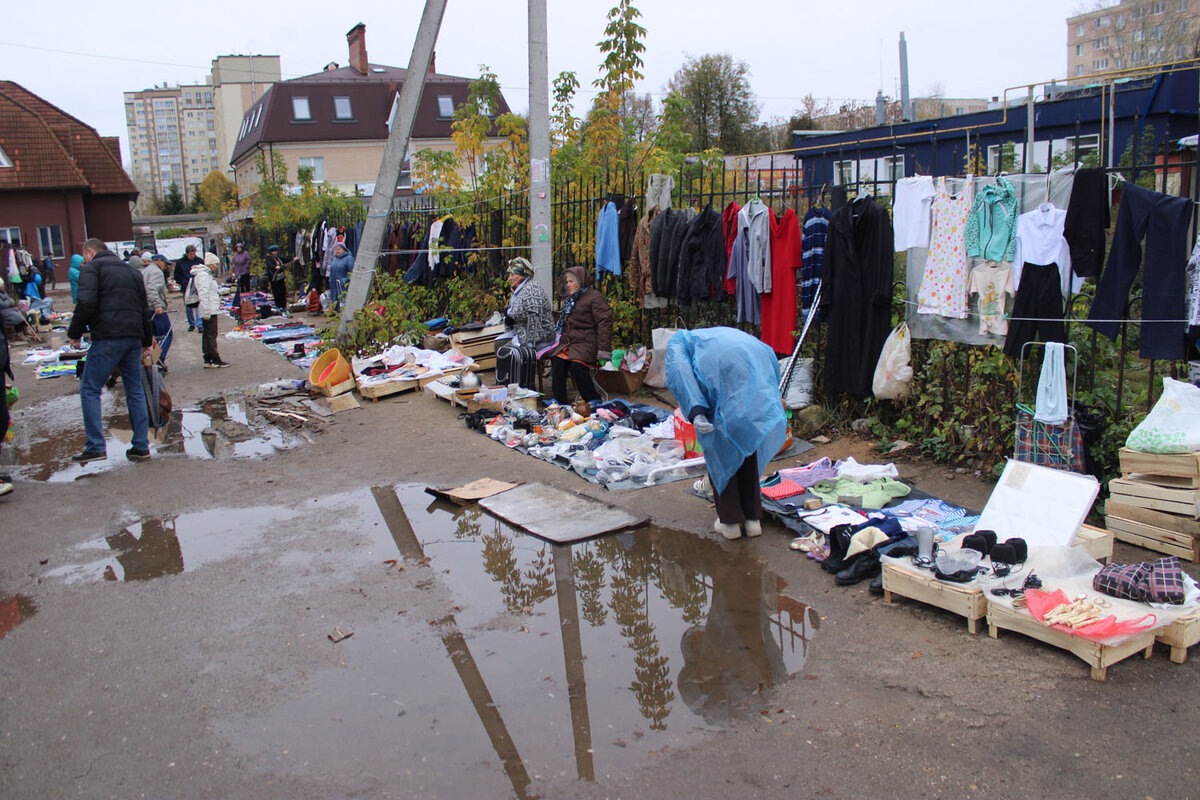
<point>556,660</point>
<point>218,428</point>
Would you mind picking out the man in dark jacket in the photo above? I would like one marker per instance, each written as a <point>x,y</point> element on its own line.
<point>112,308</point>
<point>183,276</point>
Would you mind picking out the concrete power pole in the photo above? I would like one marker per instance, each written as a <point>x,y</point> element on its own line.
<point>539,148</point>
<point>393,160</point>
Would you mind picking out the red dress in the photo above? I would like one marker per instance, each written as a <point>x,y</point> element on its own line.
<point>779,306</point>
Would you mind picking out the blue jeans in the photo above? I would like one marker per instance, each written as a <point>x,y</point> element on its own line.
<point>193,317</point>
<point>102,356</point>
<point>162,332</point>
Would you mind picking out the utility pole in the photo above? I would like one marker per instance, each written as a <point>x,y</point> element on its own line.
<point>540,244</point>
<point>393,160</point>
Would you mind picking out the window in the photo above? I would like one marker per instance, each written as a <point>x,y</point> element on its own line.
<point>254,119</point>
<point>1079,69</point>
<point>4,159</point>
<point>1158,8</point>
<point>1100,63</point>
<point>1183,26</point>
<point>300,110</point>
<point>317,165</point>
<point>1085,144</point>
<point>1181,51</point>
<point>445,106</point>
<point>1078,49</point>
<point>11,235</point>
<point>1181,5</point>
<point>1080,30</point>
<point>1120,20</point>
<point>1137,36</point>
<point>843,173</point>
<point>1156,32</point>
<point>895,168</point>
<point>1100,44</point>
<point>341,108</point>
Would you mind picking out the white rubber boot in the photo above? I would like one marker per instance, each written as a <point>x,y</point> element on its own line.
<point>752,527</point>
<point>730,530</point>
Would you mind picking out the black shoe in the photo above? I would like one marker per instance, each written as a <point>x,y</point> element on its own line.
<point>876,586</point>
<point>191,327</point>
<point>858,569</point>
<point>89,455</point>
<point>134,454</point>
<point>219,364</point>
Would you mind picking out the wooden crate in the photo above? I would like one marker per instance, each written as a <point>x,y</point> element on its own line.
<point>333,391</point>
<point>1172,522</point>
<point>920,585</point>
<point>1096,541</point>
<point>1185,466</point>
<point>1180,635</point>
<point>1098,656</point>
<point>388,388</point>
<point>1141,492</point>
<point>1152,537</point>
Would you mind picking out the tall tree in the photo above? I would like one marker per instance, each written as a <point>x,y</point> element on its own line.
<point>723,110</point>
<point>621,69</point>
<point>215,191</point>
<point>173,202</point>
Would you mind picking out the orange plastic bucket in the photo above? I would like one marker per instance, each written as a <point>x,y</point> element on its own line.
<point>329,370</point>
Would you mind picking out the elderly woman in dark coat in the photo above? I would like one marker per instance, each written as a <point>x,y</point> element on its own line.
<point>585,337</point>
<point>529,317</point>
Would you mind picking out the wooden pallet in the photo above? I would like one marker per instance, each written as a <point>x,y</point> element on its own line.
<point>1152,537</point>
<point>1096,541</point>
<point>1185,466</point>
<point>380,390</point>
<point>1098,656</point>
<point>1180,635</point>
<point>1139,491</point>
<point>920,585</point>
<point>333,391</point>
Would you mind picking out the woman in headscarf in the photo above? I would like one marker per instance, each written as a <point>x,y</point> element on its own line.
<point>339,272</point>
<point>529,317</point>
<point>73,276</point>
<point>584,337</point>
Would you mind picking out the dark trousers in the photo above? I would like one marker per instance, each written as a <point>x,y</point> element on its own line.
<point>1162,220</point>
<point>741,499</point>
<point>579,373</point>
<point>1039,297</point>
<point>208,340</point>
<point>161,325</point>
<point>243,282</point>
<point>1087,221</point>
<point>279,289</point>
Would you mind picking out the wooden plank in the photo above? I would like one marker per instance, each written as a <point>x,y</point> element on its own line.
<point>1097,542</point>
<point>1173,481</point>
<point>1157,545</point>
<point>1098,656</point>
<point>1151,532</point>
<point>333,391</point>
<point>376,391</point>
<point>1185,465</point>
<point>1171,522</point>
<point>964,601</point>
<point>559,516</point>
<point>1173,500</point>
<point>343,402</point>
<point>1166,506</point>
<point>1180,635</point>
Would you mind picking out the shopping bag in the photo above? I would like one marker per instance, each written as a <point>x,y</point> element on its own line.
<point>657,374</point>
<point>893,372</point>
<point>1055,446</point>
<point>1173,425</point>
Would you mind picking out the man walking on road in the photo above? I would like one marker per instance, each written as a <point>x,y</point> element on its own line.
<point>154,273</point>
<point>183,276</point>
<point>112,307</point>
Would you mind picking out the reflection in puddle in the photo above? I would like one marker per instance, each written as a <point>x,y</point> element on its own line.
<point>13,611</point>
<point>219,428</point>
<point>564,660</point>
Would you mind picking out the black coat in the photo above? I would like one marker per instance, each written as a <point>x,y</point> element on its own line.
<point>183,270</point>
<point>666,242</point>
<point>112,301</point>
<point>702,260</point>
<point>856,292</point>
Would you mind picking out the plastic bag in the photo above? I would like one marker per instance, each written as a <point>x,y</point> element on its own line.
<point>1173,425</point>
<point>656,376</point>
<point>798,391</point>
<point>893,373</point>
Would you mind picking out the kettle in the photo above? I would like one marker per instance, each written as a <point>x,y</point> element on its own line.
<point>469,380</point>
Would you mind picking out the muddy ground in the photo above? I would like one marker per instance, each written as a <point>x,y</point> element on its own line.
<point>169,636</point>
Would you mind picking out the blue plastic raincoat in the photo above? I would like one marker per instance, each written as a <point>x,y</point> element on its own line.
<point>733,379</point>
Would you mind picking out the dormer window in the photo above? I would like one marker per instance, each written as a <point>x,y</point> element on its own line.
<point>445,106</point>
<point>342,109</point>
<point>300,110</point>
<point>5,161</point>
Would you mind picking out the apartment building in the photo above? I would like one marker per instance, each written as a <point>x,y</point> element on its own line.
<point>1130,34</point>
<point>172,139</point>
<point>238,82</point>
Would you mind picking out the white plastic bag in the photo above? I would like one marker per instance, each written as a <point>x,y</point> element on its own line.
<point>1173,425</point>
<point>656,376</point>
<point>893,373</point>
<point>798,391</point>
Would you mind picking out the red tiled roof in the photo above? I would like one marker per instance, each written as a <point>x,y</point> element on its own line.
<point>50,148</point>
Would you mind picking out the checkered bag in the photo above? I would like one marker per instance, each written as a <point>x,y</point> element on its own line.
<point>1165,582</point>
<point>1056,446</point>
<point>1126,581</point>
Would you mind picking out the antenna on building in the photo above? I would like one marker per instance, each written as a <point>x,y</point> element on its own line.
<point>905,102</point>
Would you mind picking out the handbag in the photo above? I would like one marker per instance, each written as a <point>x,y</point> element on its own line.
<point>191,297</point>
<point>1048,445</point>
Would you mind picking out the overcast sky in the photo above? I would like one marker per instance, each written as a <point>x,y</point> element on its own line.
<point>82,57</point>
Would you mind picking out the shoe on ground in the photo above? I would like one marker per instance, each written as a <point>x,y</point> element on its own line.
<point>134,454</point>
<point>191,327</point>
<point>89,455</point>
<point>876,585</point>
<point>219,364</point>
<point>6,487</point>
<point>752,528</point>
<point>730,530</point>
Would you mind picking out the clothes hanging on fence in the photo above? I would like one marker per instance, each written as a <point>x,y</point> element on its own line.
<point>1037,309</point>
<point>755,221</point>
<point>944,285</point>
<point>639,259</point>
<point>812,257</point>
<point>666,241</point>
<point>1193,291</point>
<point>729,218</point>
<point>992,282</point>
<point>857,295</point>
<point>911,212</point>
<point>779,307</point>
<point>1087,221</point>
<point>627,220</point>
<point>702,264</point>
<point>658,192</point>
<point>418,271</point>
<point>991,229</point>
<point>328,240</point>
<point>1162,220</point>
<point>746,300</point>
<point>608,245</point>
<point>1040,241</point>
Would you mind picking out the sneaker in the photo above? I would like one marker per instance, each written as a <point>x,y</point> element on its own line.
<point>134,454</point>
<point>730,530</point>
<point>209,365</point>
<point>89,455</point>
<point>6,487</point>
<point>191,328</point>
<point>219,364</point>
<point>752,527</point>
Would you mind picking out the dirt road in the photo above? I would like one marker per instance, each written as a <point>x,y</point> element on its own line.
<point>168,634</point>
